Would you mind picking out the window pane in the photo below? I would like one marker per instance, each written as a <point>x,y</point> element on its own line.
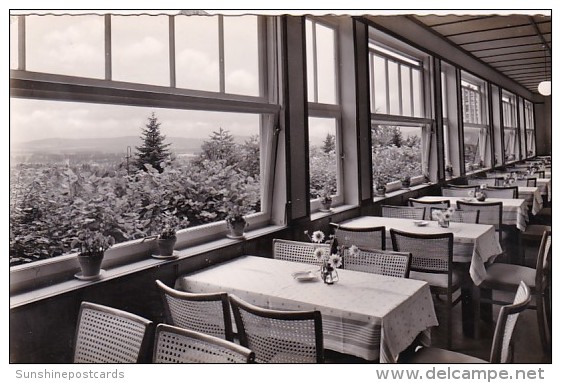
<point>196,52</point>
<point>310,61</point>
<point>396,152</point>
<point>417,94</point>
<point>380,85</point>
<point>14,39</point>
<point>78,161</point>
<point>140,49</point>
<point>241,57</point>
<point>393,83</point>
<point>406,97</point>
<point>472,149</point>
<point>325,45</point>
<point>68,45</point>
<point>323,155</point>
<point>511,145</point>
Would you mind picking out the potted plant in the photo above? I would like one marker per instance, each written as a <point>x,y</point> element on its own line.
<point>167,237</point>
<point>325,199</point>
<point>380,187</point>
<point>235,220</point>
<point>92,246</point>
<point>406,182</point>
<point>449,170</point>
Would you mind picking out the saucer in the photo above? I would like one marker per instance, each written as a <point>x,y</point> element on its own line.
<point>79,276</point>
<point>158,256</point>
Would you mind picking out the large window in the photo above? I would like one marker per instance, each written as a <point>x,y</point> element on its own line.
<point>324,110</point>
<point>96,163</point>
<point>450,121</point>
<point>510,126</point>
<point>400,128</point>
<point>530,128</point>
<point>475,118</point>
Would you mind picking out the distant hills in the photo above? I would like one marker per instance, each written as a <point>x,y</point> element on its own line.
<point>179,145</point>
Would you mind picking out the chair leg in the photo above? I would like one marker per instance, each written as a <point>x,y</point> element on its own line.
<point>547,306</point>
<point>542,321</point>
<point>449,321</point>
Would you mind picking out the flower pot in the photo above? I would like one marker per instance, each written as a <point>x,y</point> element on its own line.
<point>90,263</point>
<point>406,183</point>
<point>381,191</point>
<point>166,245</point>
<point>326,206</point>
<point>236,227</point>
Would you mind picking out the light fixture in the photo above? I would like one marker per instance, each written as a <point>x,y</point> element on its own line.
<point>544,87</point>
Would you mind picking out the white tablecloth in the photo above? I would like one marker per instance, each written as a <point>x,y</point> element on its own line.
<point>515,211</point>
<point>532,196</point>
<point>544,184</point>
<point>367,315</point>
<point>473,243</point>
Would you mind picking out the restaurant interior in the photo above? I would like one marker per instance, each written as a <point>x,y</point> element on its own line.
<point>335,187</point>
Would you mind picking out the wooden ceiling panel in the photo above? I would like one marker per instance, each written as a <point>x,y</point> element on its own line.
<point>434,20</point>
<point>508,50</point>
<point>538,60</point>
<point>515,56</point>
<point>490,23</point>
<point>521,31</point>
<point>502,43</point>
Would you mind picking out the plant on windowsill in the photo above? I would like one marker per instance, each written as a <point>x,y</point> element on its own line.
<point>449,170</point>
<point>92,247</point>
<point>325,199</point>
<point>235,220</point>
<point>168,235</point>
<point>380,185</point>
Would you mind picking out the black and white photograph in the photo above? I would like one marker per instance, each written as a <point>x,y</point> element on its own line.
<point>280,186</point>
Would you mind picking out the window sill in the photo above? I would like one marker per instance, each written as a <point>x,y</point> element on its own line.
<point>334,210</point>
<point>27,297</point>
<point>402,191</point>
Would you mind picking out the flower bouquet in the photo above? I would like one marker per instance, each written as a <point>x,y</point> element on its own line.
<point>443,216</point>
<point>329,260</point>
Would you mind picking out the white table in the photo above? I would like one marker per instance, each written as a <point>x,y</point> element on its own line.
<point>367,315</point>
<point>532,196</point>
<point>515,211</point>
<point>543,184</point>
<point>473,243</point>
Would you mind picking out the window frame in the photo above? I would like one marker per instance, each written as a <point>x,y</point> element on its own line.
<point>478,87</point>
<point>55,87</point>
<point>328,111</point>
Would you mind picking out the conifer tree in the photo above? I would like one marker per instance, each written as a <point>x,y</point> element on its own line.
<point>153,150</point>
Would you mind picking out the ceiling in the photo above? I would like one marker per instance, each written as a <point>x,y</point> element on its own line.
<point>519,46</point>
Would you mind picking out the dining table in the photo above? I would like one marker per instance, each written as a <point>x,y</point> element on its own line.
<point>543,184</point>
<point>515,210</point>
<point>532,196</point>
<point>371,316</point>
<point>474,246</point>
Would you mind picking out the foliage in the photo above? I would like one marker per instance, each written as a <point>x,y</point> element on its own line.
<point>171,223</point>
<point>329,143</point>
<point>394,158</point>
<point>92,242</point>
<point>323,172</point>
<point>153,150</point>
<point>51,203</point>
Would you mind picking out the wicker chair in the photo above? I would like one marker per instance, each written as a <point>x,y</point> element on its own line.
<point>482,181</point>
<point>296,251</point>
<point>501,350</point>
<point>531,181</point>
<point>505,277</point>
<point>364,238</point>
<point>458,191</point>
<point>464,216</point>
<point>381,262</point>
<point>279,336</point>
<point>407,212</point>
<point>443,204</point>
<point>502,192</point>
<point>432,262</point>
<point>108,335</point>
<point>206,313</point>
<point>178,345</point>
<point>490,213</point>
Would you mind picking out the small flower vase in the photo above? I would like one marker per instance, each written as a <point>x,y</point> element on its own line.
<point>480,196</point>
<point>406,183</point>
<point>236,227</point>
<point>444,223</point>
<point>329,274</point>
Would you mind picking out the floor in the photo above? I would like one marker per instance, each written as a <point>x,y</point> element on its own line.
<point>526,339</point>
